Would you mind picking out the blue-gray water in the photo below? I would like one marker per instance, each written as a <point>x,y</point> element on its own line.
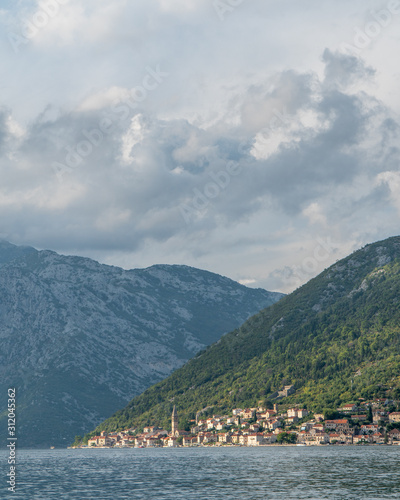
<point>209,474</point>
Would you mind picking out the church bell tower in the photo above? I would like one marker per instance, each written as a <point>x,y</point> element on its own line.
<point>174,421</point>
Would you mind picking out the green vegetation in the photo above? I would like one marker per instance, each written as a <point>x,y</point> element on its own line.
<point>78,440</point>
<point>286,438</point>
<point>336,339</point>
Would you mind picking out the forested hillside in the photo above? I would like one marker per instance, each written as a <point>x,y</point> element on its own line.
<point>336,339</point>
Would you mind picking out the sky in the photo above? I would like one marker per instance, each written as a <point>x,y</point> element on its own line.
<point>258,139</point>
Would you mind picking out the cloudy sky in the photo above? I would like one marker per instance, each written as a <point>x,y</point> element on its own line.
<point>258,139</point>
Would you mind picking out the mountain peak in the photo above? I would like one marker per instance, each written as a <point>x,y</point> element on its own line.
<point>81,339</point>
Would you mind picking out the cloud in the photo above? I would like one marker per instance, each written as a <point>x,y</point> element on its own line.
<point>342,70</point>
<point>155,132</point>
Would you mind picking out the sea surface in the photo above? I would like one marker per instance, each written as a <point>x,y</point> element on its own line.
<point>347,472</point>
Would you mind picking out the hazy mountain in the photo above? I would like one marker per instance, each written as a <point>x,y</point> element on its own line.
<point>79,339</point>
<point>336,339</point>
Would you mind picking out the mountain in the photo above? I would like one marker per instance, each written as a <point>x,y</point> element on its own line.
<point>336,339</point>
<point>79,339</point>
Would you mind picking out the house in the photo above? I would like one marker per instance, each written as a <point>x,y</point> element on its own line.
<point>394,435</point>
<point>237,412</point>
<point>379,416</point>
<point>93,441</point>
<point>321,437</point>
<point>334,438</point>
<point>102,440</point>
<point>189,440</point>
<point>378,438</point>
<point>318,427</point>
<point>209,437</point>
<point>287,391</point>
<point>267,414</point>
<point>361,439</point>
<point>269,438</point>
<point>348,408</point>
<point>330,424</point>
<point>211,423</point>
<point>152,442</point>
<point>274,424</point>
<point>150,429</point>
<point>139,441</point>
<point>346,438</point>
<point>313,439</point>
<point>340,425</point>
<point>171,442</point>
<point>224,437</point>
<point>394,417</point>
<point>255,439</point>
<point>302,436</point>
<point>200,437</point>
<point>296,412</point>
<point>302,412</point>
<point>358,418</point>
<point>306,426</point>
<point>124,442</point>
<point>319,417</point>
<point>235,437</point>
<point>369,428</point>
<point>243,440</point>
<point>249,413</point>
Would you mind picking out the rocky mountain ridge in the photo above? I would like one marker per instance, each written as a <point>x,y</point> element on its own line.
<point>79,339</point>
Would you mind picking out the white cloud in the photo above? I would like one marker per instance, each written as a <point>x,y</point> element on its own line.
<point>392,181</point>
<point>313,133</point>
<point>315,214</point>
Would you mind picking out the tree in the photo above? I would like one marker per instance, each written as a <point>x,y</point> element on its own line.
<point>331,414</point>
<point>286,437</point>
<point>370,416</point>
<point>78,441</point>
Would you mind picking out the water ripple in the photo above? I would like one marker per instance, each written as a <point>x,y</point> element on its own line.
<point>314,473</point>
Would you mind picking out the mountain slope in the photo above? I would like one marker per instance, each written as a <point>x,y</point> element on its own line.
<point>336,339</point>
<point>79,339</point>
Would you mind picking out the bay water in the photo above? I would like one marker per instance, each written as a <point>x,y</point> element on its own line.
<point>229,473</point>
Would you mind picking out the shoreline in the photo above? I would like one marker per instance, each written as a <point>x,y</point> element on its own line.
<point>299,445</point>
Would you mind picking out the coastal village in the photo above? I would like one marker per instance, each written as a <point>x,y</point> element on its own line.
<point>370,422</point>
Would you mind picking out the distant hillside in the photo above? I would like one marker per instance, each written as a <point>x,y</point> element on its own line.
<point>79,339</point>
<point>335,338</point>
